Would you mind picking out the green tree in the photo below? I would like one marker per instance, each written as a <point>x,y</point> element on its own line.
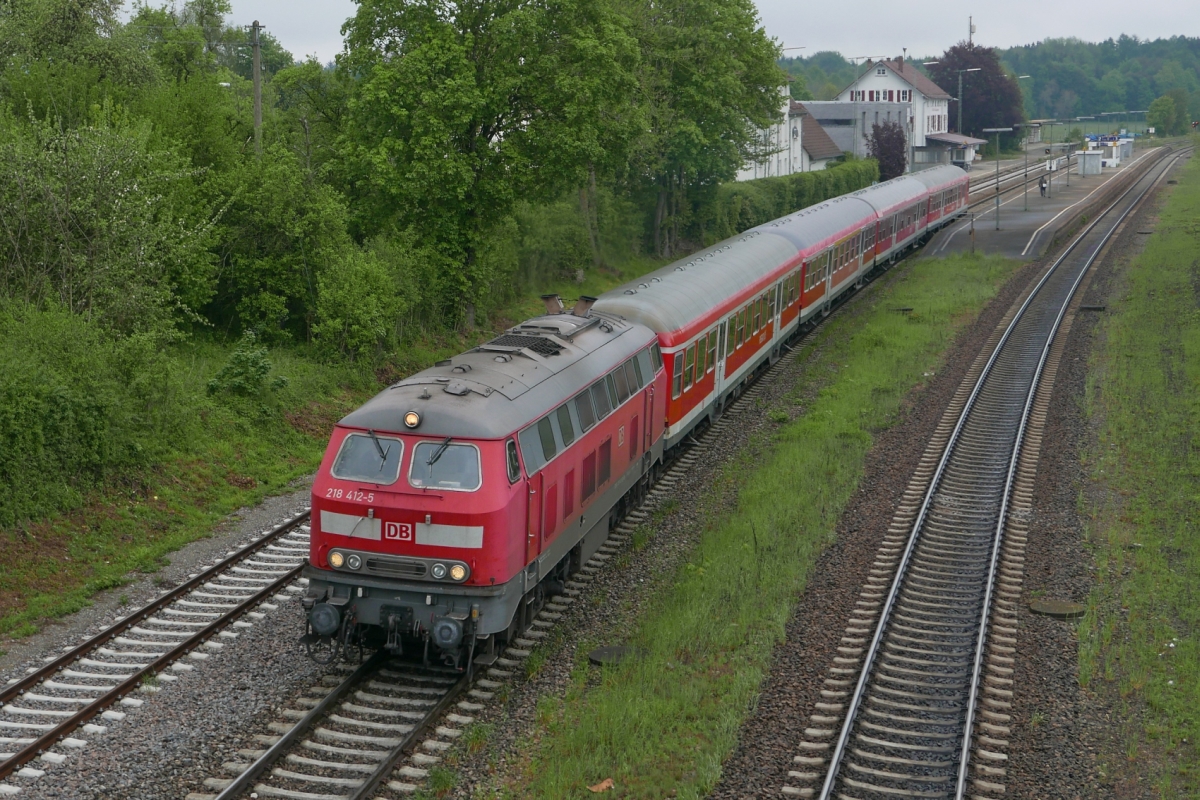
<point>888,146</point>
<point>462,108</point>
<point>991,97</point>
<point>1161,116</point>
<point>709,81</point>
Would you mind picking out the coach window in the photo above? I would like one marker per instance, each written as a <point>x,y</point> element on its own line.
<point>600,399</point>
<point>689,368</point>
<point>712,349</point>
<point>740,319</point>
<point>722,339</point>
<point>757,315</point>
<point>701,352</point>
<point>514,464</point>
<point>583,409</point>
<point>622,385</point>
<point>677,378</point>
<point>564,426</point>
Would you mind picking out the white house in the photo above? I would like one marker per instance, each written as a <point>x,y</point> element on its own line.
<point>794,144</point>
<point>901,82</point>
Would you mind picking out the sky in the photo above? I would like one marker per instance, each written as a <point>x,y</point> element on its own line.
<point>865,28</point>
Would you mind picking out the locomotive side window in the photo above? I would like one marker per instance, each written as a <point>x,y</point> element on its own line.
<point>514,464</point>
<point>442,465</point>
<point>612,391</point>
<point>644,364</point>
<point>564,425</point>
<point>631,375</point>
<point>531,449</point>
<point>583,407</point>
<point>712,349</point>
<point>600,399</point>
<point>546,435</point>
<point>656,355</point>
<point>369,458</point>
<point>622,385</point>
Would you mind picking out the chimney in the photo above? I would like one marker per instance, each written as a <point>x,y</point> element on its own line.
<point>583,305</point>
<point>554,303</point>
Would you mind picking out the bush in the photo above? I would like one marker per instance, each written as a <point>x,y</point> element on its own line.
<point>358,304</point>
<point>245,374</point>
<point>731,208</point>
<point>77,404</point>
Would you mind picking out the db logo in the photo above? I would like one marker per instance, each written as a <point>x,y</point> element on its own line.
<point>398,531</point>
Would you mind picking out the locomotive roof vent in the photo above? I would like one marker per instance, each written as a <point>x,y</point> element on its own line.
<point>538,344</point>
<point>583,305</point>
<point>554,303</point>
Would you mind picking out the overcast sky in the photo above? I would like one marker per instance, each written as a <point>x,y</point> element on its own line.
<point>870,28</point>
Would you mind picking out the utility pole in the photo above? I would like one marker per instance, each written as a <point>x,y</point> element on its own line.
<point>970,30</point>
<point>997,131</point>
<point>254,29</point>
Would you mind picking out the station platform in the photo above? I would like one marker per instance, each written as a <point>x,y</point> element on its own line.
<point>1025,234</point>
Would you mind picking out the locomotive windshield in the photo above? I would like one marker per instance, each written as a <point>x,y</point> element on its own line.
<point>369,458</point>
<point>440,465</point>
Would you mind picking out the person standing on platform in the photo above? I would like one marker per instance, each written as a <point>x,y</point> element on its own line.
<point>1042,186</point>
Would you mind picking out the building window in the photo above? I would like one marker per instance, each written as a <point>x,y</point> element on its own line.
<point>881,71</point>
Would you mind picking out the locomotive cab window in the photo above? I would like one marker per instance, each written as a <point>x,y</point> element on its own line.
<point>514,464</point>
<point>369,458</point>
<point>622,385</point>
<point>656,355</point>
<point>445,465</point>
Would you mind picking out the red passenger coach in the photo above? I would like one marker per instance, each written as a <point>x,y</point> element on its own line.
<point>723,313</point>
<point>452,503</point>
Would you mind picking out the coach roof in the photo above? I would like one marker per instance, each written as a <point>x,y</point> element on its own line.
<point>504,384</point>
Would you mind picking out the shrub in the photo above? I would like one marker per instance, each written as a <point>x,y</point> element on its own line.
<point>358,305</point>
<point>245,374</point>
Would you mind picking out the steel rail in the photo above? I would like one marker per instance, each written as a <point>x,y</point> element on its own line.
<point>981,644</point>
<point>50,737</point>
<point>856,699</point>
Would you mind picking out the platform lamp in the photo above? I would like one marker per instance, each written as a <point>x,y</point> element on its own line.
<point>997,131</point>
<point>1026,148</point>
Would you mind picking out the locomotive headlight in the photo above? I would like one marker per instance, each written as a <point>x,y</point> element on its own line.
<point>412,419</point>
<point>458,572</point>
<point>336,559</point>
<point>353,562</point>
<point>438,571</point>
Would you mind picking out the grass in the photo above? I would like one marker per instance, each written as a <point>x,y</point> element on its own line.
<point>1140,639</point>
<point>662,724</point>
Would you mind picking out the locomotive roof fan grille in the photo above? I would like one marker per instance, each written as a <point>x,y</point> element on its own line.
<point>538,344</point>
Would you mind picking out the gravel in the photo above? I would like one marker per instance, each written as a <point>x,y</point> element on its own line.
<point>184,732</point>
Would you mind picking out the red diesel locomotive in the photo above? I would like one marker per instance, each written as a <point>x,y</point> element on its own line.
<point>449,505</point>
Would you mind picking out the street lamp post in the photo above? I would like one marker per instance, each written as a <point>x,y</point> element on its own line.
<point>996,131</point>
<point>960,102</point>
<point>1025,147</point>
<point>1027,125</point>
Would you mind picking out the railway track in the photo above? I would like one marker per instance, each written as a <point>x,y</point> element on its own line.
<point>54,708</point>
<point>917,698</point>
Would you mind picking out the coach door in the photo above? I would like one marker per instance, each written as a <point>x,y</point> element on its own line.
<point>533,518</point>
<point>719,372</point>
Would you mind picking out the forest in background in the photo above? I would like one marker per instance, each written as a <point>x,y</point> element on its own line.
<point>1068,77</point>
<point>186,307</point>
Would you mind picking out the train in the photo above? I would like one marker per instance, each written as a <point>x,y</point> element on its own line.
<point>450,506</point>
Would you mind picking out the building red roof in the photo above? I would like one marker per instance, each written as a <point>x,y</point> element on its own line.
<point>915,78</point>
